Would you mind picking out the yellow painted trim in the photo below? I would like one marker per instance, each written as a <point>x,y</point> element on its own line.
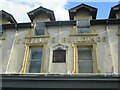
<point>43,58</point>
<point>96,58</point>
<point>41,36</point>
<point>85,34</point>
<point>24,60</point>
<point>76,59</point>
<point>92,32</point>
<point>94,55</point>
<point>26,57</point>
<point>74,66</point>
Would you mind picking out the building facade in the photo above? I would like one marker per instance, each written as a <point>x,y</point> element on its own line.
<point>82,53</point>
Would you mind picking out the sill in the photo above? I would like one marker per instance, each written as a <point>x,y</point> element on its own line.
<point>84,34</point>
<point>64,74</point>
<point>58,62</point>
<point>40,36</point>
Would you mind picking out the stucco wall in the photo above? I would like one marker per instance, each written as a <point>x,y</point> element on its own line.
<point>18,51</point>
<point>13,50</point>
<point>118,15</point>
<point>42,17</point>
<point>4,21</point>
<point>82,14</point>
<point>59,33</point>
<point>107,51</point>
<point>113,41</point>
<point>6,48</point>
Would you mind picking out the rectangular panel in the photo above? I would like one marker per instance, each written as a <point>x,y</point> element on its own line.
<point>59,56</point>
<point>35,60</point>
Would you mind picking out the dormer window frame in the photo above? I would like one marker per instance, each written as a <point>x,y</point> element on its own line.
<point>43,29</point>
<point>83,25</point>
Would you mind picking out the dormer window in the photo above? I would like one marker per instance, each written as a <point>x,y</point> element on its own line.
<point>40,28</point>
<point>83,26</point>
<point>1,31</point>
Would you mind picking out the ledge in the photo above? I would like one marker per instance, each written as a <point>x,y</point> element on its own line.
<point>42,36</point>
<point>85,34</point>
<point>60,81</point>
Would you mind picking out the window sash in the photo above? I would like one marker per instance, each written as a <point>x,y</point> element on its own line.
<point>40,28</point>
<point>85,60</point>
<point>35,61</point>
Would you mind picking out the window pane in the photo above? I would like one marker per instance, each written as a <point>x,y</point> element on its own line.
<point>84,53</point>
<point>85,66</point>
<point>83,30</point>
<point>59,56</point>
<point>40,25</point>
<point>35,66</point>
<point>39,32</point>
<point>82,23</point>
<point>35,60</point>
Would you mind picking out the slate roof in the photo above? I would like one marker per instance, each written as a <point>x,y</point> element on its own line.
<point>36,12</point>
<point>115,9</point>
<point>74,10</point>
<point>6,15</point>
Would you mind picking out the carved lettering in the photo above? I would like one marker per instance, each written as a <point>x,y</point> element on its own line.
<point>64,40</point>
<point>93,39</point>
<point>98,39</point>
<point>104,39</point>
<point>83,39</point>
<point>79,39</point>
<point>89,39</point>
<point>53,40</point>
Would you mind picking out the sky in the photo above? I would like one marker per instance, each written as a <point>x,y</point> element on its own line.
<point>20,8</point>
